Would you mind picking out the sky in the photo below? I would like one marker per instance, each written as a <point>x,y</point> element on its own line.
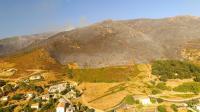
<point>23,17</point>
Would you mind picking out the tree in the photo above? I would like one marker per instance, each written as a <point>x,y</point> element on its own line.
<point>27,108</point>
<point>162,108</point>
<point>18,97</point>
<point>156,91</point>
<point>70,73</point>
<point>39,89</point>
<point>90,110</point>
<point>197,78</point>
<point>2,83</point>
<point>174,108</point>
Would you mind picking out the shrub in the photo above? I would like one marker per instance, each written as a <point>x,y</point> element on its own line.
<point>172,69</point>
<point>2,83</point>
<point>197,78</point>
<point>90,110</point>
<point>153,100</point>
<point>192,103</point>
<point>27,108</point>
<point>159,100</point>
<point>188,87</point>
<point>162,86</point>
<point>18,97</point>
<point>162,108</point>
<point>129,100</point>
<point>156,91</point>
<point>39,89</point>
<point>174,108</point>
<point>70,73</point>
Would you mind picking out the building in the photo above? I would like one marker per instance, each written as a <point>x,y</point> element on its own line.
<point>61,107</point>
<point>46,97</point>
<point>4,98</point>
<point>35,77</point>
<point>144,100</point>
<point>35,106</point>
<point>57,88</point>
<point>29,96</point>
<point>71,94</point>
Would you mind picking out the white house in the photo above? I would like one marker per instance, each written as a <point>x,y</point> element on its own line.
<point>57,88</point>
<point>46,97</point>
<point>144,100</point>
<point>4,98</point>
<point>197,107</point>
<point>61,107</point>
<point>71,94</point>
<point>35,77</point>
<point>35,106</point>
<point>29,96</point>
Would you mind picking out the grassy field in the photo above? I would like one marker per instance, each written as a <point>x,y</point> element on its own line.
<point>109,74</point>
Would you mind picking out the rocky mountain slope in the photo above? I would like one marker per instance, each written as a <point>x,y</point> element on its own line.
<point>113,43</point>
<point>11,45</point>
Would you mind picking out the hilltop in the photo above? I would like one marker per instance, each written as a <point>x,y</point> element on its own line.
<point>125,42</point>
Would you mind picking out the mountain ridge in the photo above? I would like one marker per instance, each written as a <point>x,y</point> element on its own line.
<point>123,42</point>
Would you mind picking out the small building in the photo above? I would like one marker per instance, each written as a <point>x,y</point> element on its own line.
<point>197,107</point>
<point>35,77</point>
<point>65,101</point>
<point>57,88</point>
<point>56,96</point>
<point>35,106</point>
<point>4,98</point>
<point>61,107</point>
<point>12,70</point>
<point>46,97</point>
<point>29,96</point>
<point>144,100</point>
<point>71,94</point>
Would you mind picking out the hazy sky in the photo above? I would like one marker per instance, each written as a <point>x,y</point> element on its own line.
<point>19,17</point>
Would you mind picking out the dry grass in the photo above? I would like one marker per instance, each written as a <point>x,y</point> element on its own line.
<point>108,74</point>
<point>97,95</point>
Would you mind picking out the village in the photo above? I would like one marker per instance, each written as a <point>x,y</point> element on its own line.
<point>28,95</point>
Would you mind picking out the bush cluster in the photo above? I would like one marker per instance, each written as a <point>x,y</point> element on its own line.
<point>188,87</point>
<point>172,69</point>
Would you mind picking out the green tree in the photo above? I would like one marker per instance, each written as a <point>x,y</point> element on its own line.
<point>2,83</point>
<point>162,108</point>
<point>39,89</point>
<point>18,96</point>
<point>174,108</point>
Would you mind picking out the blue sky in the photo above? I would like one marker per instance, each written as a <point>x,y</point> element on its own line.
<point>21,17</point>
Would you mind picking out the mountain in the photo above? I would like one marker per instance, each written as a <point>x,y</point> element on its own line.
<point>125,42</point>
<point>12,45</point>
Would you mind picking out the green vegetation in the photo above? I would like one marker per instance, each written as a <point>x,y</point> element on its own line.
<point>24,86</point>
<point>185,95</point>
<point>156,91</point>
<point>172,69</point>
<point>174,108</point>
<point>2,83</point>
<point>129,100</point>
<point>18,96</point>
<point>108,74</point>
<point>70,73</point>
<point>188,87</point>
<point>156,88</point>
<point>27,108</point>
<point>162,108</point>
<point>162,86</point>
<point>192,103</point>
